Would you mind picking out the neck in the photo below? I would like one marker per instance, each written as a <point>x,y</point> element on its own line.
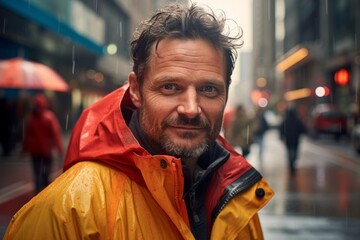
<point>191,162</point>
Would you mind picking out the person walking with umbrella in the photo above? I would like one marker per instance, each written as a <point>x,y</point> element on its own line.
<point>42,132</point>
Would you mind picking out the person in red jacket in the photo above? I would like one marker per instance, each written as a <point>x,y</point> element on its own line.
<point>42,133</point>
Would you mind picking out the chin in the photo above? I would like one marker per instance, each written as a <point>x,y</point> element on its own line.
<point>186,150</point>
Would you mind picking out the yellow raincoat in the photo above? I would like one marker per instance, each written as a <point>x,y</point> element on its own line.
<point>114,189</point>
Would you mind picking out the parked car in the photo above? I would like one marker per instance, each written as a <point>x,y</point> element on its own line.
<point>355,137</point>
<point>327,119</point>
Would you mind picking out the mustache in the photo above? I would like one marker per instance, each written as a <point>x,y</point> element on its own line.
<point>183,120</point>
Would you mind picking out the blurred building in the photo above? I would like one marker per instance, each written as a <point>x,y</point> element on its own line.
<point>264,47</point>
<point>309,51</point>
<point>85,41</point>
<point>245,84</point>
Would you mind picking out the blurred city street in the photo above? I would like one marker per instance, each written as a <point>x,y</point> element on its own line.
<point>320,202</point>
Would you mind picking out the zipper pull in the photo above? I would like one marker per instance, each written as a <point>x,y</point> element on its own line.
<point>193,205</point>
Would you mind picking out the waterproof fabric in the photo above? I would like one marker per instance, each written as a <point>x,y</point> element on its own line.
<point>114,189</point>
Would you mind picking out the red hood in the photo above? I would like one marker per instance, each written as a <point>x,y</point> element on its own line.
<point>101,134</point>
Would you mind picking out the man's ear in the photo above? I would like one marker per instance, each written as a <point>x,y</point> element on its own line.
<point>134,89</point>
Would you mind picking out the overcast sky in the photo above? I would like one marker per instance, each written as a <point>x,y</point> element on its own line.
<point>240,11</point>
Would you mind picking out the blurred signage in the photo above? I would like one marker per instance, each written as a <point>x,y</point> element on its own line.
<point>88,23</point>
<point>293,59</point>
<point>297,94</point>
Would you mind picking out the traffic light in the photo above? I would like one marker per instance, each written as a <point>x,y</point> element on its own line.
<point>342,77</point>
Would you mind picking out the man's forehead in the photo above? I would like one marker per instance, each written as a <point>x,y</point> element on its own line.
<point>200,43</point>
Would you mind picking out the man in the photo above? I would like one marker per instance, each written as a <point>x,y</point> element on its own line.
<point>147,161</point>
<point>42,134</point>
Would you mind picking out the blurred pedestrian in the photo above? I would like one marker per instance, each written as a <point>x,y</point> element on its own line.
<point>290,131</point>
<point>42,134</point>
<point>147,160</point>
<point>229,116</point>
<point>262,127</point>
<point>242,130</point>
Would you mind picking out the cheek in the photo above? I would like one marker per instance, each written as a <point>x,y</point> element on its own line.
<point>217,122</point>
<point>214,112</point>
<point>155,111</point>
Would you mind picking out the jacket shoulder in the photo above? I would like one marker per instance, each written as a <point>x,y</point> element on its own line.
<point>68,202</point>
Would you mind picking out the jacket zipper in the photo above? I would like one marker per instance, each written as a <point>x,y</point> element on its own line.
<point>192,193</point>
<point>241,184</point>
<point>193,205</point>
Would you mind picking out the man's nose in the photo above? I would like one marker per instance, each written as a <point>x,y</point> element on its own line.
<point>189,105</point>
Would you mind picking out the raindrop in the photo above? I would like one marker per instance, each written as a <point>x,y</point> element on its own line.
<point>4,25</point>
<point>247,134</point>
<point>117,66</point>
<point>356,94</point>
<point>326,6</point>
<point>67,122</point>
<point>120,29</point>
<point>73,67</point>
<point>96,6</point>
<point>73,60</point>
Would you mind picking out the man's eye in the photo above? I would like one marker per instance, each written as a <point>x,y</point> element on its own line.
<point>169,87</point>
<point>209,89</point>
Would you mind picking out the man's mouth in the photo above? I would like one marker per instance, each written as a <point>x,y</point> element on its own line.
<point>190,127</point>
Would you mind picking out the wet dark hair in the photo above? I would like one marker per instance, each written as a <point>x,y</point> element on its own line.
<point>178,21</point>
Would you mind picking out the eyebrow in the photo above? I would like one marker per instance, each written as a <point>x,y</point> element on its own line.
<point>171,79</point>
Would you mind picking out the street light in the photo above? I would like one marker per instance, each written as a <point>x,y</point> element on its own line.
<point>322,91</point>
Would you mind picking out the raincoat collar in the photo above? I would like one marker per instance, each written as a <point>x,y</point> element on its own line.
<point>101,134</point>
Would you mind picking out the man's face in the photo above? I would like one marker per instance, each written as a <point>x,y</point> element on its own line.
<point>183,96</point>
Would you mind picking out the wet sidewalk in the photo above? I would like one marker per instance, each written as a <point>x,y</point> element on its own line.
<point>321,201</point>
<point>279,227</point>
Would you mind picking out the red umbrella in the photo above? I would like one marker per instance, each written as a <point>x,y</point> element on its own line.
<point>23,74</point>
